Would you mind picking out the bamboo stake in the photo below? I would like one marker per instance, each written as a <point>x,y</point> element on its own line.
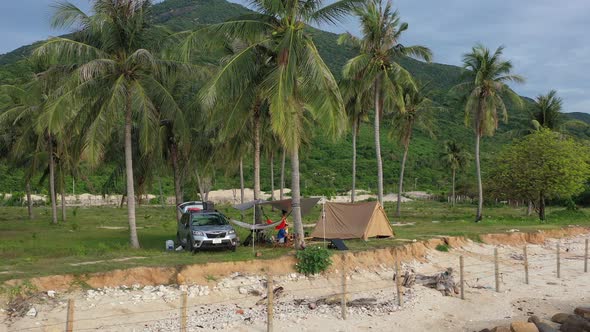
<point>558,262</point>
<point>497,270</point>
<point>70,316</point>
<point>526,266</point>
<point>343,301</point>
<point>183,312</point>
<point>398,281</point>
<point>586,258</point>
<point>462,280</point>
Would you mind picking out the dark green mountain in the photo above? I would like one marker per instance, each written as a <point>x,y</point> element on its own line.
<point>326,165</point>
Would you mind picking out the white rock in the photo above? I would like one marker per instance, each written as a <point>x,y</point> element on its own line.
<point>242,290</point>
<point>32,312</point>
<point>51,294</point>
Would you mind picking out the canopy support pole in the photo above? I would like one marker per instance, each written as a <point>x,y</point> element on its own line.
<point>324,219</point>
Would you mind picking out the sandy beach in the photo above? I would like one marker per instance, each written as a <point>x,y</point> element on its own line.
<point>230,303</point>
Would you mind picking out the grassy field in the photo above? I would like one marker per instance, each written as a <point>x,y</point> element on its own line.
<point>37,248</point>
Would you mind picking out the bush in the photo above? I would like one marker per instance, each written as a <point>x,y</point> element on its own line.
<point>313,260</point>
<point>443,247</point>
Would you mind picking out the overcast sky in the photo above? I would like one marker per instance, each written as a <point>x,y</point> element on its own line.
<point>548,41</point>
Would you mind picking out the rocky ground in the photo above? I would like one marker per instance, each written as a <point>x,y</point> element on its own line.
<point>237,302</point>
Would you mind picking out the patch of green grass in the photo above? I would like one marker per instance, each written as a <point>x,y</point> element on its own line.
<point>37,248</point>
<point>443,247</point>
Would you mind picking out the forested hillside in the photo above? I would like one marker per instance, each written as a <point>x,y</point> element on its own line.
<point>325,164</point>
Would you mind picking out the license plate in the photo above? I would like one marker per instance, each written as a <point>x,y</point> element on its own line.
<point>216,241</point>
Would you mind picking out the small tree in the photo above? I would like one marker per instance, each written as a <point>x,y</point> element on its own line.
<point>539,167</point>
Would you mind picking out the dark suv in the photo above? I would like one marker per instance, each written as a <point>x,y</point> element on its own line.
<point>206,229</point>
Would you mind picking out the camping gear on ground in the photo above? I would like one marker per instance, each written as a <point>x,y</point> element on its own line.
<point>169,245</point>
<point>337,244</point>
<point>352,221</point>
<point>306,204</point>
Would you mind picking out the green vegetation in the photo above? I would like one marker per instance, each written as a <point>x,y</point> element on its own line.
<point>313,260</point>
<point>37,248</point>
<point>443,247</point>
<point>539,167</point>
<point>173,98</point>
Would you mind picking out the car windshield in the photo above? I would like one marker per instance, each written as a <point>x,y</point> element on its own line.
<point>208,220</point>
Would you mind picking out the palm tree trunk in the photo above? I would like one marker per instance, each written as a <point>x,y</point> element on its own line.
<point>478,217</point>
<point>272,175</point>
<point>176,171</point>
<point>378,141</point>
<point>200,184</point>
<point>133,239</point>
<point>63,204</point>
<point>282,190</point>
<point>353,190</point>
<point>542,206</point>
<point>453,197</point>
<point>241,181</point>
<point>401,182</point>
<point>52,194</point>
<point>257,211</point>
<point>296,200</point>
<point>29,200</point>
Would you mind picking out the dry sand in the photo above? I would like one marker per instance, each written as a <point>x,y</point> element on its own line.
<point>224,196</point>
<point>424,309</point>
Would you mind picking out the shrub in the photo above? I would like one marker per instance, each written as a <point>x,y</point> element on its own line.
<point>313,260</point>
<point>443,247</point>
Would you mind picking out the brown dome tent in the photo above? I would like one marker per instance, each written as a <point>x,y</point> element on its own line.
<point>353,221</point>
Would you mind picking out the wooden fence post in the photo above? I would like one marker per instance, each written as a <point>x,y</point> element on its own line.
<point>70,316</point>
<point>343,300</point>
<point>462,280</point>
<point>269,306</point>
<point>398,281</point>
<point>496,270</point>
<point>586,258</point>
<point>558,262</point>
<point>526,266</point>
<point>183,312</point>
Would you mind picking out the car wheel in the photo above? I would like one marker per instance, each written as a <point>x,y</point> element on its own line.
<point>190,245</point>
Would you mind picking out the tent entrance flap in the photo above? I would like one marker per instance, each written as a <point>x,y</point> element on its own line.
<point>353,221</point>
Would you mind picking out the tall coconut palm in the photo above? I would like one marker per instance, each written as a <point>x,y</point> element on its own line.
<point>298,82</point>
<point>455,157</point>
<point>116,79</point>
<point>547,110</point>
<point>414,112</point>
<point>358,106</point>
<point>486,86</point>
<point>234,106</point>
<point>34,142</point>
<point>19,139</point>
<point>377,65</point>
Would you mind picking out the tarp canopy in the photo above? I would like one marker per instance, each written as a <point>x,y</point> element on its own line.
<point>306,204</point>
<point>255,226</point>
<point>353,221</point>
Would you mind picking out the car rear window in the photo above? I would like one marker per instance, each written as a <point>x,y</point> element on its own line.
<point>208,220</point>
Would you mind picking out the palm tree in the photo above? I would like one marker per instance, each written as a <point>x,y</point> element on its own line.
<point>116,79</point>
<point>358,105</point>
<point>487,76</point>
<point>33,140</point>
<point>455,157</point>
<point>547,110</point>
<point>245,102</point>
<point>298,82</point>
<point>415,111</point>
<point>376,64</point>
